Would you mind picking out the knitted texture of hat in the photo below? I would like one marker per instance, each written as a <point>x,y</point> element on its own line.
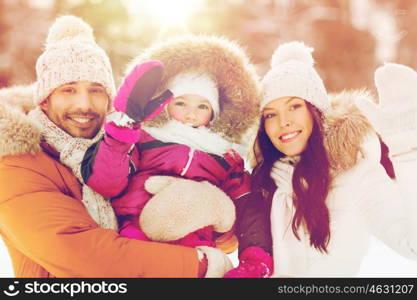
<point>292,74</point>
<point>196,84</point>
<point>71,54</point>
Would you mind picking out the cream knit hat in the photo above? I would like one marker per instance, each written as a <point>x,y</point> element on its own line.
<point>196,84</point>
<point>71,54</point>
<point>292,74</point>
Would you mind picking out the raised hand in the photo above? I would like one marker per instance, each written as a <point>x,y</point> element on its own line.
<point>395,117</point>
<point>134,103</point>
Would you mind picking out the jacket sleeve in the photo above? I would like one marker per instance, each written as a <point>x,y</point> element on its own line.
<point>253,227</point>
<point>106,166</point>
<point>55,231</point>
<point>389,207</point>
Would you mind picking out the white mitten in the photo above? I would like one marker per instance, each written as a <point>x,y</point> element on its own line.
<point>395,117</point>
<point>282,173</point>
<point>181,206</point>
<point>218,262</point>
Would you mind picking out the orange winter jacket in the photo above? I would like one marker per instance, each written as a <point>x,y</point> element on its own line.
<point>48,231</point>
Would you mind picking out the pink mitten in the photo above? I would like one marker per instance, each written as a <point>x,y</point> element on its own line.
<point>131,231</point>
<point>254,262</point>
<point>138,88</point>
<point>134,103</point>
<point>125,134</point>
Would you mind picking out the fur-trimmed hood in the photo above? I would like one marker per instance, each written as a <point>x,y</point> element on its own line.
<point>227,64</point>
<point>18,133</point>
<point>348,135</point>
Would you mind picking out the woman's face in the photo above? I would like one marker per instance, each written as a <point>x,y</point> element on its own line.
<point>288,124</point>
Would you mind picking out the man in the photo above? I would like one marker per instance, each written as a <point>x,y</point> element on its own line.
<point>43,216</point>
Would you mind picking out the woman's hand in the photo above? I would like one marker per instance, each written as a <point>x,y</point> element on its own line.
<point>395,117</point>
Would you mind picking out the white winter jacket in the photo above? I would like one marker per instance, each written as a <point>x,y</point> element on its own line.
<point>363,201</point>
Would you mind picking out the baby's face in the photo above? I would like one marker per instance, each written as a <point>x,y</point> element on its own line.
<point>191,109</point>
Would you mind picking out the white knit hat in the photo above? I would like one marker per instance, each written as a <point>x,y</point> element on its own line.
<point>292,74</point>
<point>196,84</point>
<point>71,54</point>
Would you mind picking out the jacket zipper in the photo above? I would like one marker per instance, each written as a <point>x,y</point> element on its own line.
<point>190,158</point>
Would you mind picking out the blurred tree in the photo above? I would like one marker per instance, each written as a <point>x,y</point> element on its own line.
<point>111,25</point>
<point>4,27</point>
<point>347,51</point>
<point>406,16</point>
<point>344,55</point>
<point>23,31</point>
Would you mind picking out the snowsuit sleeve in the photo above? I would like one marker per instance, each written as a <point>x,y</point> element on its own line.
<point>109,167</point>
<point>106,166</point>
<point>389,207</point>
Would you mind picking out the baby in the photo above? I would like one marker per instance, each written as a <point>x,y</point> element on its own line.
<point>133,150</point>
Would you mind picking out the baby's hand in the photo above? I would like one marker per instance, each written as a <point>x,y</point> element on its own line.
<point>135,95</point>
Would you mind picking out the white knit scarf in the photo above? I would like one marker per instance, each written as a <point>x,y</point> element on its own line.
<point>71,152</point>
<point>289,253</point>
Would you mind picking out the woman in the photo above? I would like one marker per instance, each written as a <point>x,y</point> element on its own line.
<point>319,191</point>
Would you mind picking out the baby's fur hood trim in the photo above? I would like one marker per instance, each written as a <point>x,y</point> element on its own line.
<point>227,64</point>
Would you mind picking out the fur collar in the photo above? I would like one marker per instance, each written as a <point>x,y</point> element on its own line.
<point>18,133</point>
<point>19,96</point>
<point>347,132</point>
<point>201,138</point>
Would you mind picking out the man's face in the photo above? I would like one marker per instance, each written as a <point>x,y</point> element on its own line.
<point>78,108</point>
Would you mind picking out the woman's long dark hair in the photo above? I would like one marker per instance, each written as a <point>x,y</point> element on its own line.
<point>311,181</point>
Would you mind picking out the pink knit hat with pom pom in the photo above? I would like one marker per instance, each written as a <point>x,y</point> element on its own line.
<point>292,74</point>
<point>71,54</point>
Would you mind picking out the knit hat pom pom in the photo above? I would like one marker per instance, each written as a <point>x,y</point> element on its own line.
<point>292,51</point>
<point>67,27</point>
